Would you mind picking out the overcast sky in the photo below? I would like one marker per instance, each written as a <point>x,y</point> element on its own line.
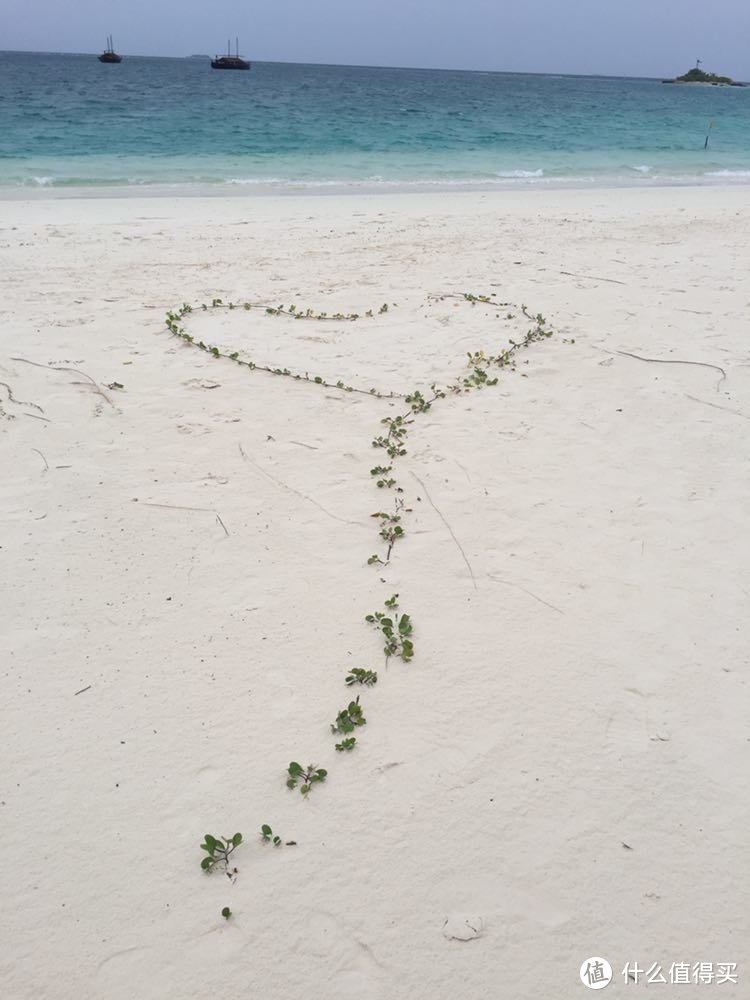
<point>621,37</point>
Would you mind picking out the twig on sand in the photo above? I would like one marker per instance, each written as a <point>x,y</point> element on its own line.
<point>517,586</point>
<point>291,489</point>
<point>716,406</point>
<point>593,277</point>
<point>97,391</point>
<point>46,463</point>
<point>76,371</point>
<point>675,361</point>
<point>442,518</point>
<point>19,402</point>
<point>203,510</point>
<point>82,690</point>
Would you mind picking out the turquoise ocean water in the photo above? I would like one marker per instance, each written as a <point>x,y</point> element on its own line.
<point>69,121</point>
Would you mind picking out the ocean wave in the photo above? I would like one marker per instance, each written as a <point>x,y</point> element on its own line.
<point>201,179</point>
<point>376,182</point>
<point>519,173</point>
<point>82,182</point>
<point>254,180</point>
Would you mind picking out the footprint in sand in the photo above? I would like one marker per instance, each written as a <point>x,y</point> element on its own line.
<point>193,429</point>
<point>463,927</point>
<point>201,383</point>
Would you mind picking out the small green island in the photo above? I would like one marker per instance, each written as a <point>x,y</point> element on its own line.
<point>697,75</point>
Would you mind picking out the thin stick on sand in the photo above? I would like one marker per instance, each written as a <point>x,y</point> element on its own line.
<point>203,510</point>
<point>19,402</point>
<point>76,371</point>
<point>675,361</point>
<point>46,463</point>
<point>445,522</point>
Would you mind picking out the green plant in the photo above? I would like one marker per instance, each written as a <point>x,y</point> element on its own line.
<point>308,776</point>
<point>226,913</point>
<point>348,744</point>
<point>359,676</point>
<point>349,718</point>
<point>418,403</point>
<point>396,630</point>
<point>393,441</point>
<point>268,836</point>
<point>218,851</point>
<point>390,529</point>
<point>381,471</point>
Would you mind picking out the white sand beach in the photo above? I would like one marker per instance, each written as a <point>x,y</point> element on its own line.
<point>559,772</point>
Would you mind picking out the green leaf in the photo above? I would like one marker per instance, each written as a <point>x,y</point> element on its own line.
<point>237,839</point>
<point>226,913</point>
<point>266,830</point>
<point>206,863</point>
<point>291,783</point>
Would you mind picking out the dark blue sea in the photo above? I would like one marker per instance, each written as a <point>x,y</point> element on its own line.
<point>68,120</point>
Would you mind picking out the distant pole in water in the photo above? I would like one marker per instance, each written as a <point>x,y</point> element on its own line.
<point>710,126</point>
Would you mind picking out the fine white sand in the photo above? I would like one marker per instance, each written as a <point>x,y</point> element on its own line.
<point>562,766</point>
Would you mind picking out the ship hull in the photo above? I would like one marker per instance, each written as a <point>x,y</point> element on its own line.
<point>226,63</point>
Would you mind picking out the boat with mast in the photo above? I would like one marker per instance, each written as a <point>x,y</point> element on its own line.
<point>109,55</point>
<point>230,61</point>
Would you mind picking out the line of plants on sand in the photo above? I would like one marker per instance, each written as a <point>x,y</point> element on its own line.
<point>175,318</point>
<point>393,626</point>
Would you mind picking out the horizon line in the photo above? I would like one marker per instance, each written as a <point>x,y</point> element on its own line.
<point>286,62</point>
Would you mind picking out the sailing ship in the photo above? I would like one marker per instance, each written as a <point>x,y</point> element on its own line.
<point>109,55</point>
<point>230,61</point>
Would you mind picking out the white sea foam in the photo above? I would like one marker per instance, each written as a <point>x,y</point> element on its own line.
<point>257,180</point>
<point>519,173</point>
<point>632,175</point>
